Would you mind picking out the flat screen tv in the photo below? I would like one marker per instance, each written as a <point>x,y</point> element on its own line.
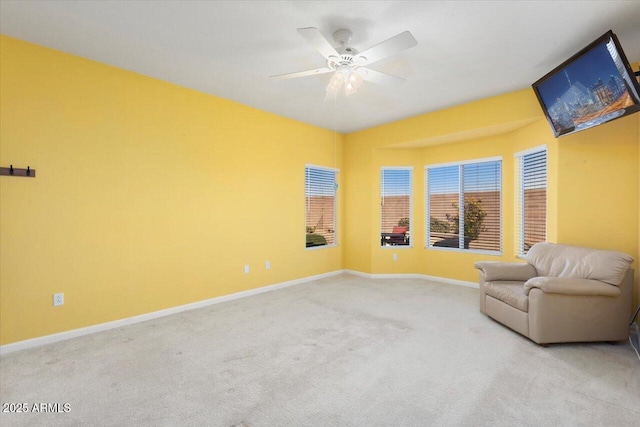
<point>592,87</point>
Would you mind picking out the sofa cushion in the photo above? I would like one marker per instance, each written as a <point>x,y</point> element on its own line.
<point>550,259</point>
<point>499,270</point>
<point>509,292</point>
<point>571,286</point>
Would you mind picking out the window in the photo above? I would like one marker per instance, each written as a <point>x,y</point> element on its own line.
<point>463,205</point>
<point>530,198</point>
<point>320,206</point>
<point>395,206</point>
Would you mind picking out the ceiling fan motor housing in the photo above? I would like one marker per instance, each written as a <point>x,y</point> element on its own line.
<point>347,58</point>
<point>344,60</point>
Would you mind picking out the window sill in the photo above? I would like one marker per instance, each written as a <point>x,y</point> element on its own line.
<point>465,251</point>
<point>313,248</point>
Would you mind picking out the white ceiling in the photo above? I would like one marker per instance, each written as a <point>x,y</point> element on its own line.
<point>466,50</point>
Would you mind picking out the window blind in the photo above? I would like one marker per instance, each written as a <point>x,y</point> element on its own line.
<point>531,199</point>
<point>320,206</point>
<point>443,200</point>
<point>395,206</point>
<point>482,216</point>
<point>464,205</point>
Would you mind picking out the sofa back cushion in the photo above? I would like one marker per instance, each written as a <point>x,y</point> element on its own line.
<point>555,260</point>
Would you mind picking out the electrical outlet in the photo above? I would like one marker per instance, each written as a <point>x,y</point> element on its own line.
<point>267,265</point>
<point>58,299</point>
<point>246,269</point>
<point>395,257</point>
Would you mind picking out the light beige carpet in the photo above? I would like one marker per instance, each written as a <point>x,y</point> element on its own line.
<point>344,351</point>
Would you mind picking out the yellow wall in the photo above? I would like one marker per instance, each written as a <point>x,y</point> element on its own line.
<point>598,187</point>
<point>593,182</point>
<point>497,126</point>
<point>147,195</point>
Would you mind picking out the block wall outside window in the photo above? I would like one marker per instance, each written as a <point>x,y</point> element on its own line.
<point>320,206</point>
<point>395,206</point>
<point>463,205</point>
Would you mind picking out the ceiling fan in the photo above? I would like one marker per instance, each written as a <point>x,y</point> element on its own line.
<point>350,67</point>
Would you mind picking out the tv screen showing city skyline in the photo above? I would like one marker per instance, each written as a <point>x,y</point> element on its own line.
<point>588,90</point>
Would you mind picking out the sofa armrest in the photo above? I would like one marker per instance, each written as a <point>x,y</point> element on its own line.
<point>497,270</point>
<point>571,286</point>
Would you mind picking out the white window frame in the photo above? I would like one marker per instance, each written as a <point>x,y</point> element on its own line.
<point>427,222</point>
<point>519,197</point>
<point>411,236</point>
<point>335,205</point>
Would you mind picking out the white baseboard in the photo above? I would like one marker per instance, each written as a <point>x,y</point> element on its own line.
<point>74,333</point>
<point>359,273</point>
<point>62,336</point>
<point>415,276</point>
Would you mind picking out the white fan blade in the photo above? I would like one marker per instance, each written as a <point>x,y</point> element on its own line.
<point>303,73</point>
<point>387,48</point>
<point>317,40</point>
<point>379,77</point>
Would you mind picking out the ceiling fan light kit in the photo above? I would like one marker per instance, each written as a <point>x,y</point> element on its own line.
<point>347,77</point>
<point>347,64</point>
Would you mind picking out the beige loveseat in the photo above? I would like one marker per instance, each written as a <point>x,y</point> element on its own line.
<point>562,294</point>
